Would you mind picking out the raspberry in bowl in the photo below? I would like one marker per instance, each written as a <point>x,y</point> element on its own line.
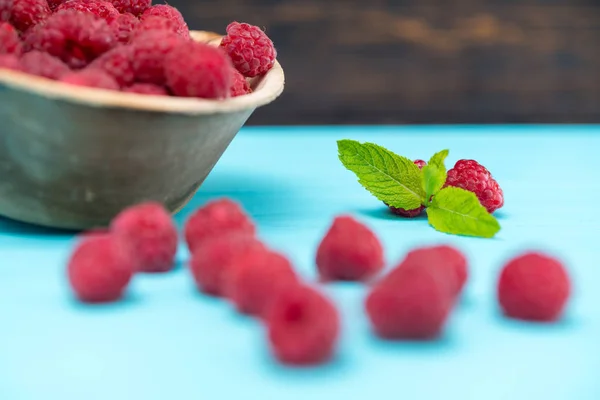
<point>77,150</point>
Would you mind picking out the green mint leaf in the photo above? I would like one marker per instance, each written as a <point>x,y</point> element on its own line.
<point>437,160</point>
<point>458,211</point>
<point>391,178</point>
<point>433,180</point>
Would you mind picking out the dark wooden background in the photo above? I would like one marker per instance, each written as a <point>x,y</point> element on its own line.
<point>424,61</point>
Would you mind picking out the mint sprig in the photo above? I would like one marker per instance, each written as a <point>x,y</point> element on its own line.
<point>398,182</point>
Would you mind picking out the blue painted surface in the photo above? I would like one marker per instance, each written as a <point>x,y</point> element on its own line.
<point>167,342</point>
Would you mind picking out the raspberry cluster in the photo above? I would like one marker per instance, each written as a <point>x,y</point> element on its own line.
<point>146,49</point>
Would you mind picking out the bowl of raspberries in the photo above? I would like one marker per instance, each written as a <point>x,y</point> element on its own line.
<point>108,103</point>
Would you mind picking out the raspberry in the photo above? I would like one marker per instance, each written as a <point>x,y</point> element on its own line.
<point>123,26</point>
<point>239,86</point>
<point>349,251</point>
<point>151,235</point>
<point>474,177</point>
<point>218,217</point>
<point>303,326</point>
<point>147,89</point>
<point>534,287</point>
<point>74,37</point>
<point>9,39</point>
<point>28,13</point>
<point>43,64</point>
<point>118,63</point>
<point>150,50</point>
<point>160,23</point>
<point>199,70</point>
<point>5,10</point>
<point>54,4</point>
<point>135,7</point>
<point>255,279</point>
<point>170,13</point>
<point>99,269</point>
<point>101,9</point>
<point>250,49</point>
<point>91,78</point>
<point>212,257</point>
<point>415,212</point>
<point>9,61</point>
<point>450,263</point>
<point>410,303</point>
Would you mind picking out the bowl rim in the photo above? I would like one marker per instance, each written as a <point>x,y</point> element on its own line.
<point>267,89</point>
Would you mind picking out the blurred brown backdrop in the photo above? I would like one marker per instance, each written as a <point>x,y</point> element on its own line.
<point>424,61</point>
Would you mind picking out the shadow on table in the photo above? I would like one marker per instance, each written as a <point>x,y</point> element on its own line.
<point>11,227</point>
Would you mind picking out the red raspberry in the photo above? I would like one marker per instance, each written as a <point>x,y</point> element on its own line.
<point>170,13</point>
<point>450,262</point>
<point>303,326</point>
<point>250,49</point>
<point>10,43</point>
<point>124,25</point>
<point>99,269</point>
<point>54,4</point>
<point>135,7</point>
<point>199,70</point>
<point>118,63</point>
<point>93,78</point>
<point>349,251</point>
<point>239,86</point>
<point>474,177</point>
<point>253,280</point>
<point>150,51</point>
<point>213,256</point>
<point>43,64</point>
<point>150,233</point>
<point>5,10</point>
<point>218,217</point>
<point>411,303</point>
<point>74,37</point>
<point>101,9</point>
<point>28,13</point>
<point>415,212</point>
<point>534,287</point>
<point>147,89</point>
<point>9,61</point>
<point>160,23</point>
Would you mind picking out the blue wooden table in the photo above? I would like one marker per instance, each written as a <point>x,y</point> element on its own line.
<point>167,342</point>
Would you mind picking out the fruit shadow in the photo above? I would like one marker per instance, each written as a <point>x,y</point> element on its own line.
<point>434,346</point>
<point>385,214</point>
<point>11,227</point>
<point>335,368</point>
<point>130,299</point>
<point>568,322</point>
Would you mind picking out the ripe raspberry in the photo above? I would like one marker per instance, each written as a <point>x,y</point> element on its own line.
<point>450,263</point>
<point>93,78</point>
<point>150,51</point>
<point>99,8</point>
<point>239,86</point>
<point>160,23</point>
<point>250,49</point>
<point>349,251</point>
<point>199,70</point>
<point>43,64</point>
<point>253,280</point>
<point>123,26</point>
<point>99,269</point>
<point>74,37</point>
<point>28,13</point>
<point>54,4</point>
<point>147,89</point>
<point>9,61</point>
<point>10,43</point>
<point>212,257</point>
<point>533,287</point>
<point>150,233</point>
<point>170,13</point>
<point>474,177</point>
<point>135,7</point>
<point>218,217</point>
<point>118,63</point>
<point>5,10</point>
<point>303,326</point>
<point>415,212</point>
<point>410,303</point>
